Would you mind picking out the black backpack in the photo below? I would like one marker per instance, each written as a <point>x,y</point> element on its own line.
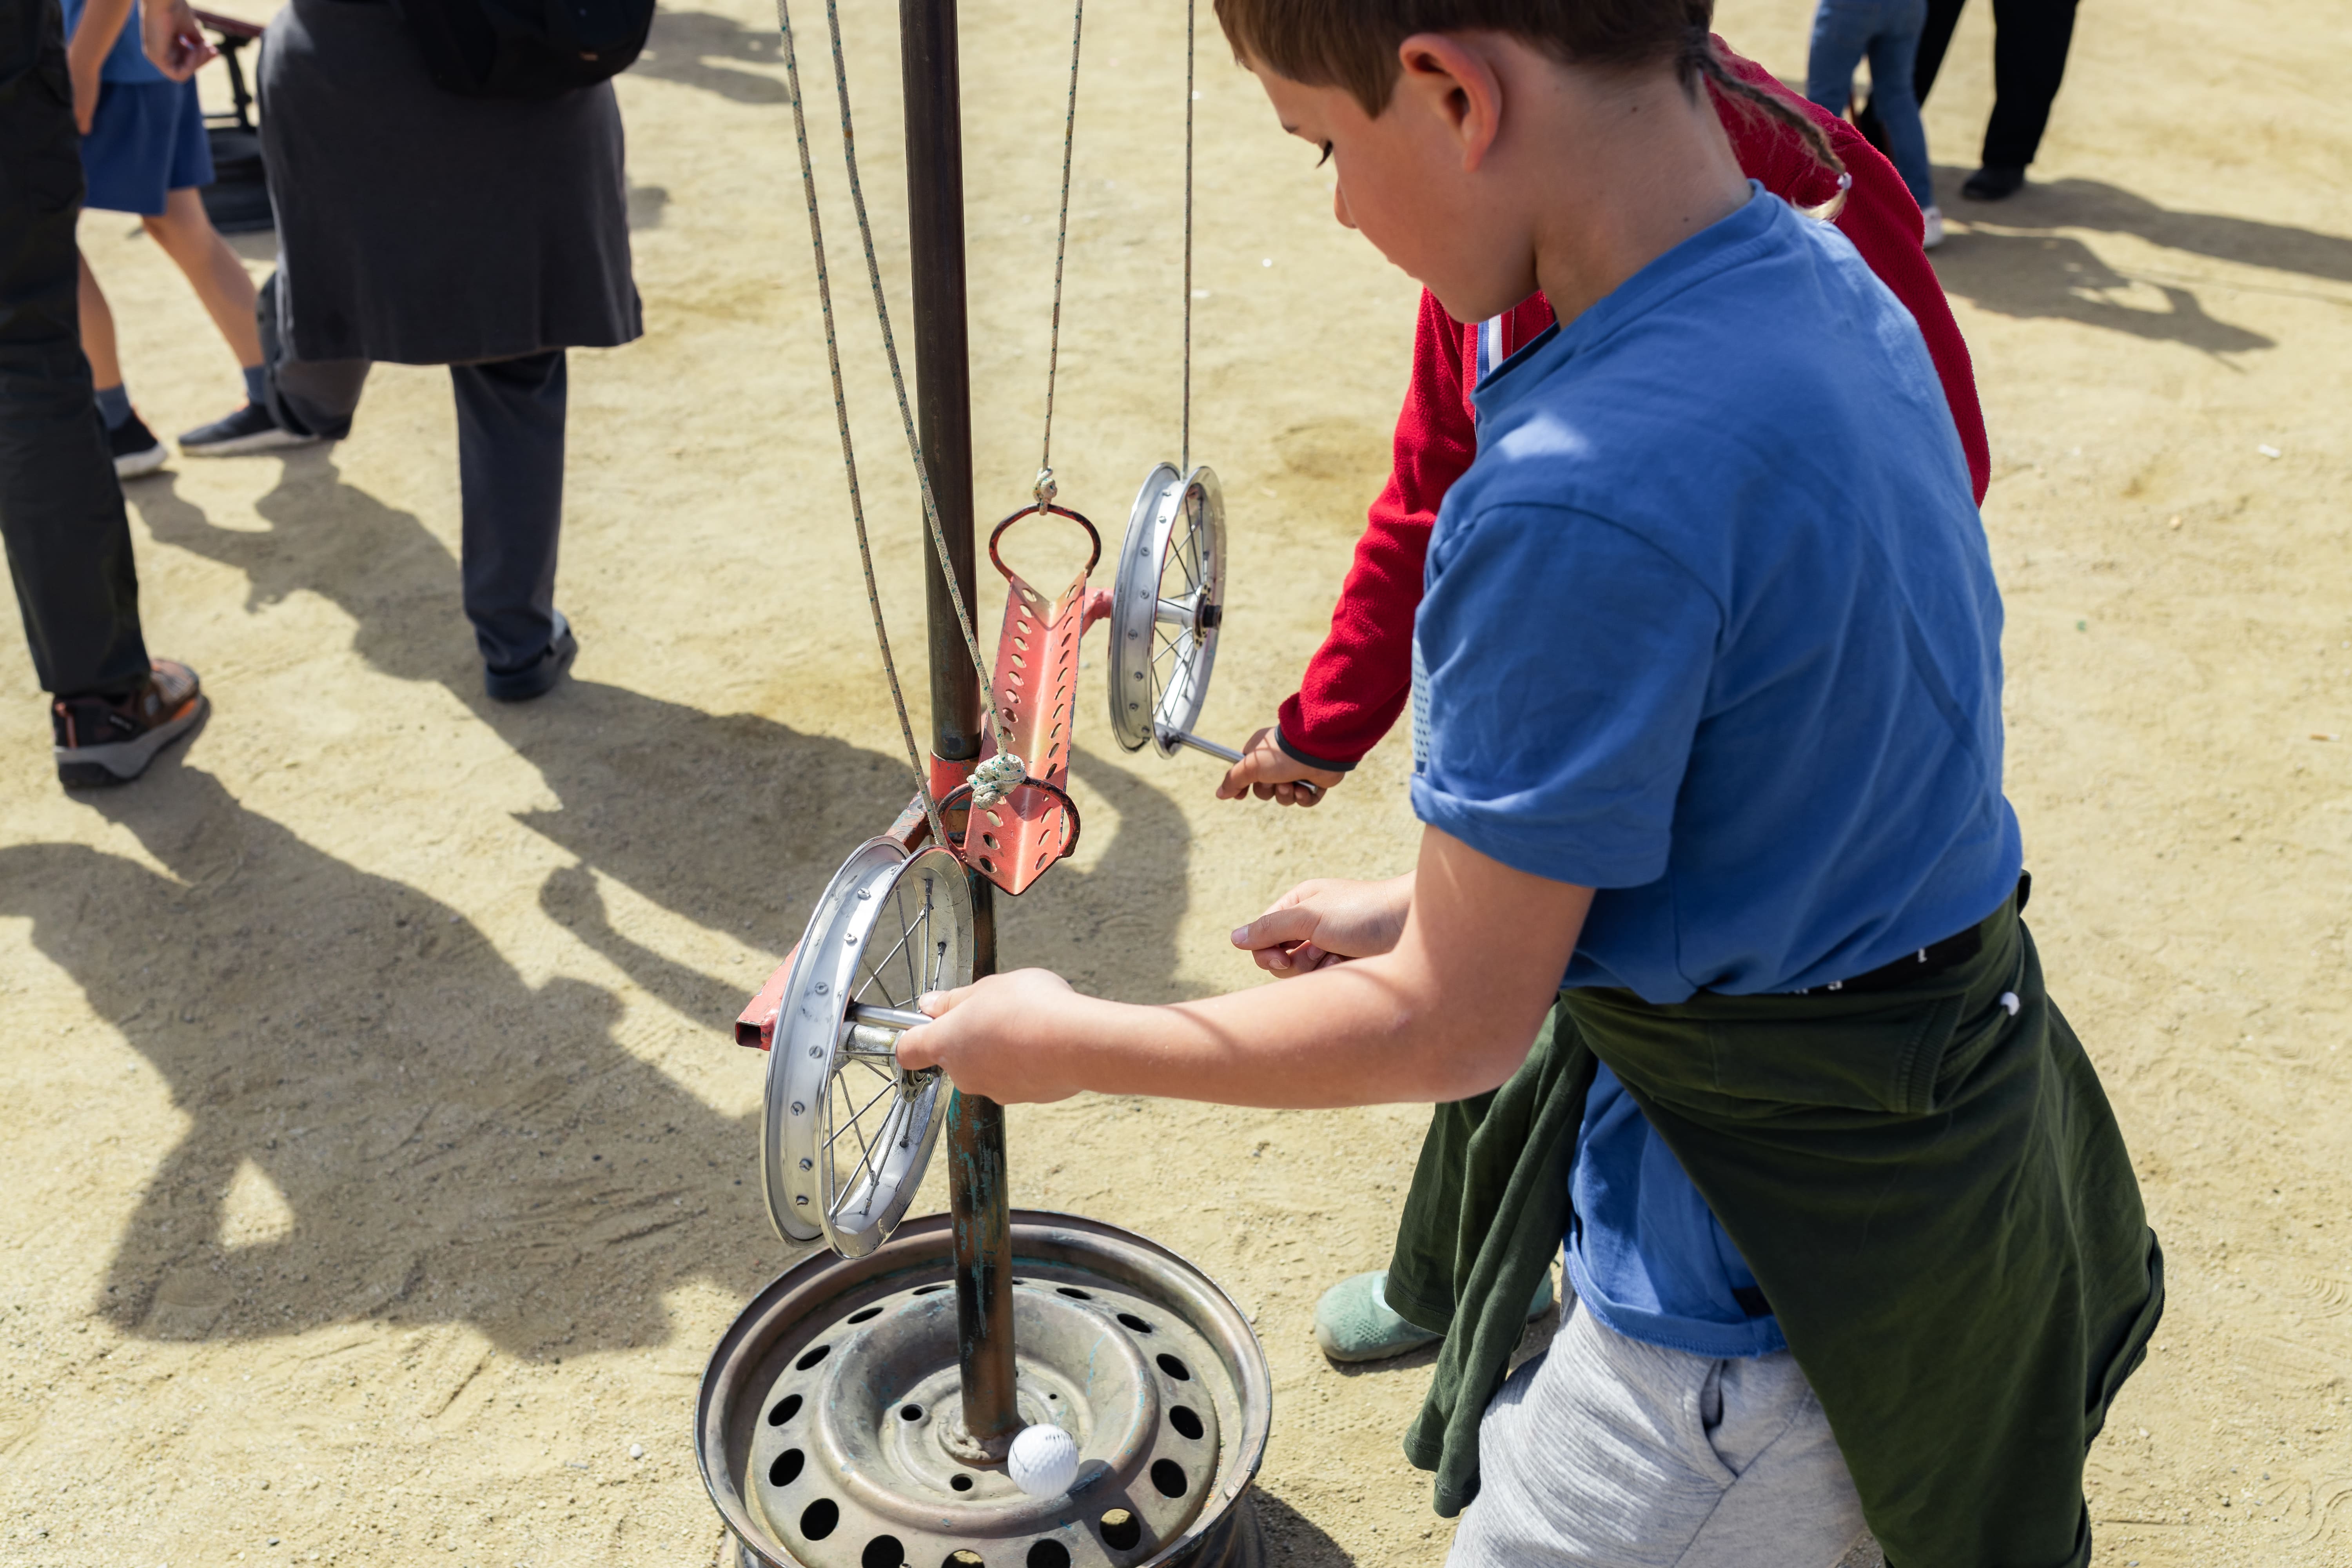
<point>526,49</point>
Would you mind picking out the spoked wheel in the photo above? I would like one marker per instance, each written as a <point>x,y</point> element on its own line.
<point>846,1133</point>
<point>1166,607</point>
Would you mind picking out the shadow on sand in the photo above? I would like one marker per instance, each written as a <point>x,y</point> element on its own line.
<point>2020,264</point>
<point>450,1141</point>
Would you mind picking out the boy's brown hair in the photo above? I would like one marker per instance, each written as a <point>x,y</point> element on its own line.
<point>1352,44</point>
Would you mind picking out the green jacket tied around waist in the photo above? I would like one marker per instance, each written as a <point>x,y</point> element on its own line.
<point>1928,1184</point>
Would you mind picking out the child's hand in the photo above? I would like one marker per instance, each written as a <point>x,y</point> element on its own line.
<point>1272,773</point>
<point>1327,922</point>
<point>173,40</point>
<point>987,1033</point>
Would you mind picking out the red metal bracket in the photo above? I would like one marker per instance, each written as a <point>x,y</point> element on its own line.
<point>1036,690</point>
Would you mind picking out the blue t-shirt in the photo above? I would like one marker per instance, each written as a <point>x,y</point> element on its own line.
<point>1710,626</point>
<point>1644,1251</point>
<point>126,60</point>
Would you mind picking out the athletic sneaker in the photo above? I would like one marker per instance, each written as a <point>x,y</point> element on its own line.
<point>539,676</point>
<point>1934,235</point>
<point>110,740</point>
<point>249,430</point>
<point>136,450</point>
<point>1354,1322</point>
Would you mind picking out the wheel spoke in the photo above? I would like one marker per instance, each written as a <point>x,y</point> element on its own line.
<point>873,968</point>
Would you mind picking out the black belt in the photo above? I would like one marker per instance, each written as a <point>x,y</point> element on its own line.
<point>1928,960</point>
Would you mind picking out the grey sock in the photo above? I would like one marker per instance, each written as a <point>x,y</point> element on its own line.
<point>114,405</point>
<point>257,383</point>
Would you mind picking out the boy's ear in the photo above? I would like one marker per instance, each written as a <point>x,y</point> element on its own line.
<point>1453,78</point>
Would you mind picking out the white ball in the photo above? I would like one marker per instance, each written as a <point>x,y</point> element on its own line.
<point>1044,1461</point>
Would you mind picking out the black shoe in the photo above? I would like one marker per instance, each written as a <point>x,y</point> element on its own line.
<point>136,450</point>
<point>539,676</point>
<point>249,430</point>
<point>110,740</point>
<point>1991,184</point>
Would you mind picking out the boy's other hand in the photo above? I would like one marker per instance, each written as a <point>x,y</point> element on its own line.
<point>986,1032</point>
<point>173,40</point>
<point>1270,773</point>
<point>1325,921</point>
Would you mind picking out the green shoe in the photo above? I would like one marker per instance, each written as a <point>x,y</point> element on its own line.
<point>1353,1321</point>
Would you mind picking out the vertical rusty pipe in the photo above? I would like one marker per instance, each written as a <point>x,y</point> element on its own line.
<point>976,1185</point>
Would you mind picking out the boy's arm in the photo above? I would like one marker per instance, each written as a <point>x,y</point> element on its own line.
<point>1448,1013</point>
<point>1361,679</point>
<point>86,51</point>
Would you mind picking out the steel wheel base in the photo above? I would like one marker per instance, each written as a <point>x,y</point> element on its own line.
<point>820,1418</point>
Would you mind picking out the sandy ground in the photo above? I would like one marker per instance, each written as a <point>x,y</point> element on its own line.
<point>381,1171</point>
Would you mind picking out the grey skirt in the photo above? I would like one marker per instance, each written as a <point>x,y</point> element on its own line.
<point>419,227</point>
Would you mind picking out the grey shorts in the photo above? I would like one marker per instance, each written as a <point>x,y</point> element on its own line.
<point>1609,1453</point>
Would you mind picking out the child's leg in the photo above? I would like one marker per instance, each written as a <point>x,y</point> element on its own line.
<point>97,330</point>
<point>187,235</point>
<point>1609,1453</point>
<point>1894,52</point>
<point>1841,32</point>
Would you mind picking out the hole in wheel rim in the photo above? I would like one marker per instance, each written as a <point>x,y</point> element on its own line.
<point>787,1467</point>
<point>1121,1530</point>
<point>866,1316</point>
<point>1132,1322</point>
<point>820,1518</point>
<point>820,1353</point>
<point>961,1482</point>
<point>910,1413</point>
<point>1168,1363</point>
<point>1074,1292</point>
<point>1183,1418</point>
<point>1048,1554</point>
<point>1169,1477</point>
<point>786,1408</point>
<point>883,1552</point>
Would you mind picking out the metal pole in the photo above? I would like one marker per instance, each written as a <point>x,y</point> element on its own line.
<point>976,1187</point>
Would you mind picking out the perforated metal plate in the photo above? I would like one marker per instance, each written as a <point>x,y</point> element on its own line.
<point>847,1134</point>
<point>1166,605</point>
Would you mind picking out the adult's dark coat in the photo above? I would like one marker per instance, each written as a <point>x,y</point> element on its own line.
<point>421,228</point>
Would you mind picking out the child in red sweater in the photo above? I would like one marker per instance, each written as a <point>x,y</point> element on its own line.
<point>1359,681</point>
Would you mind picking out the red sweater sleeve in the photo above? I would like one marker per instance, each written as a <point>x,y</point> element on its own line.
<point>1361,679</point>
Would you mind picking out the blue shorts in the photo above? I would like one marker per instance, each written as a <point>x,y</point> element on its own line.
<point>146,139</point>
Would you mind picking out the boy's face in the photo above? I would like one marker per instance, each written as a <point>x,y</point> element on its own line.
<point>1409,179</point>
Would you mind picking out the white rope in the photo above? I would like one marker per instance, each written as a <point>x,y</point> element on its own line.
<point>1184,450</point>
<point>906,414</point>
<point>1046,489</point>
<point>841,418</point>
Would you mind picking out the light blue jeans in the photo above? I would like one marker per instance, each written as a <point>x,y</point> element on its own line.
<point>1888,32</point>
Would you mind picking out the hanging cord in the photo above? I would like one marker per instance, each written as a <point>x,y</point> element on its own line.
<point>997,776</point>
<point>1185,451</point>
<point>1046,489</point>
<point>848,452</point>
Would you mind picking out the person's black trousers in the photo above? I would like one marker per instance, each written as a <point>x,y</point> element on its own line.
<point>2031,38</point>
<point>69,542</point>
<point>510,416</point>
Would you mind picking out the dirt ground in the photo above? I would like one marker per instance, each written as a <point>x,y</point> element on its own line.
<point>382,1171</point>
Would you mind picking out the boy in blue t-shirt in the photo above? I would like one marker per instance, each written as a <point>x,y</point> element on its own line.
<point>144,151</point>
<point>1707,743</point>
